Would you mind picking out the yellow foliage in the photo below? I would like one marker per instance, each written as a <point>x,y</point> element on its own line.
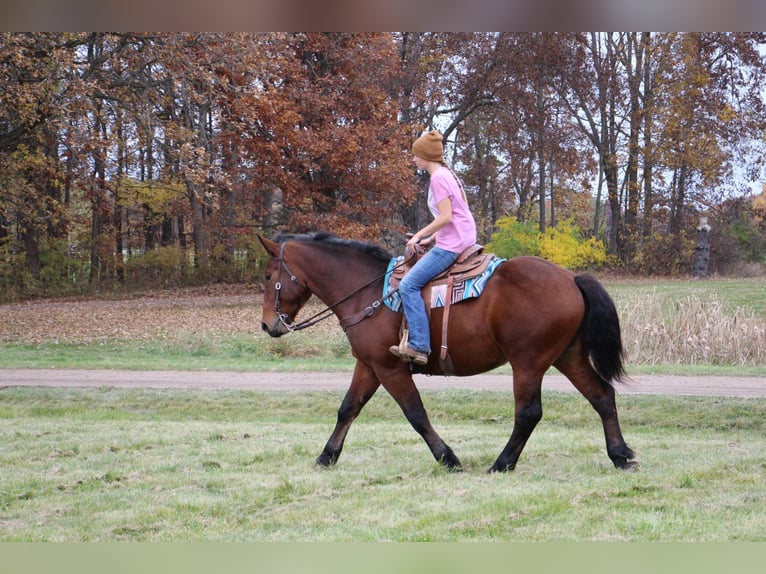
<point>565,245</point>
<point>513,238</point>
<point>727,114</point>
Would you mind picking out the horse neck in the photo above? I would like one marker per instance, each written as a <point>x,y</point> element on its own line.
<point>332,275</point>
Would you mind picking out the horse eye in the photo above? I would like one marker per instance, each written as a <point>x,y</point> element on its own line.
<point>268,276</point>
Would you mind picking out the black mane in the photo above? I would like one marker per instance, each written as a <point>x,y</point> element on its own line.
<point>327,238</point>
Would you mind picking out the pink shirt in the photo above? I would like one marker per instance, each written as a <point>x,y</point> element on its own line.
<point>460,234</point>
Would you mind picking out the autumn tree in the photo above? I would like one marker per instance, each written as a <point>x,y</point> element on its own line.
<point>33,202</point>
<point>123,150</point>
<point>424,88</point>
<point>516,147</point>
<point>707,105</point>
<point>346,154</point>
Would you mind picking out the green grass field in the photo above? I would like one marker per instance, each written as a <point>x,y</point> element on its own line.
<point>749,294</point>
<point>147,465</point>
<point>229,465</point>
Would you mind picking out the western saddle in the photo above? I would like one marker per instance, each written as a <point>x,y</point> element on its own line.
<point>470,263</point>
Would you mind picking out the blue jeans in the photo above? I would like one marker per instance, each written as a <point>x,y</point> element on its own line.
<point>430,265</point>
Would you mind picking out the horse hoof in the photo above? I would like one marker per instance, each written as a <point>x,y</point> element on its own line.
<point>326,460</point>
<point>501,468</point>
<point>630,466</point>
<point>450,461</point>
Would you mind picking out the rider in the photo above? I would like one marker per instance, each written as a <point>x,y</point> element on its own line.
<point>452,231</point>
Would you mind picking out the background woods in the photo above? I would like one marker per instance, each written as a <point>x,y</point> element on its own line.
<point>150,159</point>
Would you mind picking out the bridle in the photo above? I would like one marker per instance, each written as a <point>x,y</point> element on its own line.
<point>283,317</point>
<point>328,312</point>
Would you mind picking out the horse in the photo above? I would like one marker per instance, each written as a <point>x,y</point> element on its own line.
<point>532,314</point>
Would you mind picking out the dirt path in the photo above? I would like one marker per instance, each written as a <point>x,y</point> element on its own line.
<point>641,384</point>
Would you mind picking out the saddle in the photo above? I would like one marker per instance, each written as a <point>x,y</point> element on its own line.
<point>470,263</point>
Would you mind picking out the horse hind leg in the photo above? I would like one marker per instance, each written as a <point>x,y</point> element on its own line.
<point>601,396</point>
<point>403,390</point>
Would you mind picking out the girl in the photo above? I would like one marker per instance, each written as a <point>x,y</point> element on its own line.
<point>452,231</point>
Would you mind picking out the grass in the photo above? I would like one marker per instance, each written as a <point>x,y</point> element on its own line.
<point>150,465</point>
<point>313,352</point>
<point>227,355</point>
<point>745,293</point>
<point>171,465</point>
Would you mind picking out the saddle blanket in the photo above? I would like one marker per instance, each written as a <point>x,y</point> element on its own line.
<point>462,289</point>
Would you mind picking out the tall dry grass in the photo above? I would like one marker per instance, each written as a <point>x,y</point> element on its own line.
<point>691,330</point>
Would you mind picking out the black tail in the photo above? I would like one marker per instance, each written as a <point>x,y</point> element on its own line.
<point>601,336</point>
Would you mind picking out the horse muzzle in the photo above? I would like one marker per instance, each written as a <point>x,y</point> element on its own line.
<point>275,329</point>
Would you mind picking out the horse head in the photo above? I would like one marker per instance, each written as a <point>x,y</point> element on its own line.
<point>284,294</point>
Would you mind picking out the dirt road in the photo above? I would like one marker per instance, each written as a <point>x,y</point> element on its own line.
<point>641,384</point>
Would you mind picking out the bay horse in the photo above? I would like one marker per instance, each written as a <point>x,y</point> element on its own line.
<point>532,313</point>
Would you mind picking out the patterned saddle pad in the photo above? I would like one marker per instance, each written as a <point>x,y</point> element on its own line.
<point>462,289</point>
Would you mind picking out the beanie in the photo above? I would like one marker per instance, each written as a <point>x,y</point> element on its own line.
<point>429,146</point>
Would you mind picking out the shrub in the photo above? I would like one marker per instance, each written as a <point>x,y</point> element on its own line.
<point>563,244</point>
<point>664,254</point>
<point>514,238</point>
<point>566,246</point>
<point>62,271</point>
<point>161,267</point>
<point>15,280</point>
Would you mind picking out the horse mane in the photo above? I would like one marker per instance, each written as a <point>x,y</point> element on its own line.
<point>326,238</point>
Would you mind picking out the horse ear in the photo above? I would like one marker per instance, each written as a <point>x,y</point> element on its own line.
<point>270,247</point>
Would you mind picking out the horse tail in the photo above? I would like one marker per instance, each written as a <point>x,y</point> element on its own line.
<point>600,330</point>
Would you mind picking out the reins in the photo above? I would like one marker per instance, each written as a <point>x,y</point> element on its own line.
<point>327,312</point>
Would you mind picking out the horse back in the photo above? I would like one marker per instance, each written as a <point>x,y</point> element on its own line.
<point>535,280</point>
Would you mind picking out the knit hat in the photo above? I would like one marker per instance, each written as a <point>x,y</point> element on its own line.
<point>429,146</point>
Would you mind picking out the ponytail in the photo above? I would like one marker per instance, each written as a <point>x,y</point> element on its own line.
<point>458,180</point>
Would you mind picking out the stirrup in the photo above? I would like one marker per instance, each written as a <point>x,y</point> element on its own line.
<point>410,355</point>
<point>403,345</point>
<point>406,353</point>
<point>400,350</point>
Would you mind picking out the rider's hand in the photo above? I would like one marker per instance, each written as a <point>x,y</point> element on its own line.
<point>427,241</point>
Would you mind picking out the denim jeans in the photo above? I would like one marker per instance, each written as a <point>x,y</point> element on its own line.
<point>430,265</point>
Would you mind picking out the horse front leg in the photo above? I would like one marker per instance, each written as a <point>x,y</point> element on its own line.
<point>363,387</point>
<point>402,388</point>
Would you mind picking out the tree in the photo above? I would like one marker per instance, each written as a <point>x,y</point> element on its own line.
<point>113,145</point>
<point>346,153</point>
<point>515,144</point>
<point>707,102</point>
<point>32,201</point>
